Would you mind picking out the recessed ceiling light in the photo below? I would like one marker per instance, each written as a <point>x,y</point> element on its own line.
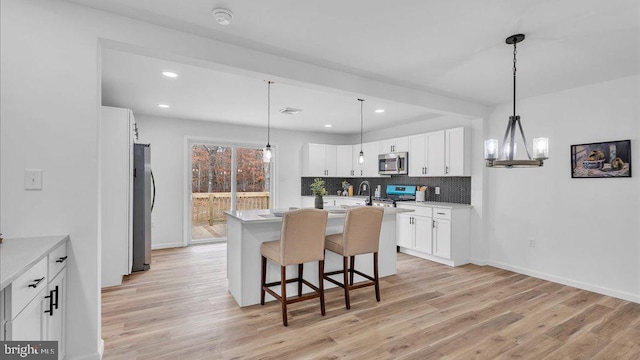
<point>328,125</point>
<point>164,106</point>
<point>170,74</point>
<point>380,111</point>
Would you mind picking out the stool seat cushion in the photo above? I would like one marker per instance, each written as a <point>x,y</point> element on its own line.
<point>271,250</point>
<point>334,243</point>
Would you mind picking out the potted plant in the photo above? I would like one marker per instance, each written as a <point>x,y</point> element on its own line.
<point>318,190</point>
<point>345,188</point>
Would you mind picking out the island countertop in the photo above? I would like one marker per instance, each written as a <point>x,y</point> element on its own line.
<point>18,255</point>
<point>266,215</point>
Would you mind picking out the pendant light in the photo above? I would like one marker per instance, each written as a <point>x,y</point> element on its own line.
<point>266,152</point>
<point>491,146</point>
<point>361,156</point>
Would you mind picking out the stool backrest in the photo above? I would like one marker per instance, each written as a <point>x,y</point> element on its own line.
<point>302,236</point>
<point>361,234</point>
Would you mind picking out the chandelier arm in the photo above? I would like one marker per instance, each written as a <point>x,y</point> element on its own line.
<point>506,133</point>
<point>512,137</point>
<point>524,139</point>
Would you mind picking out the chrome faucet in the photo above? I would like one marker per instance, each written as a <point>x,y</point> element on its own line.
<point>367,188</point>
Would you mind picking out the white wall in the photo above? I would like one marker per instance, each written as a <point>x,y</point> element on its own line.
<point>586,230</point>
<point>167,139</point>
<point>50,101</point>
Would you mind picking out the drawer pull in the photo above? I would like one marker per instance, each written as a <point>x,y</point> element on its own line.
<point>62,259</point>
<point>50,297</point>
<point>439,213</point>
<point>36,282</point>
<point>55,302</point>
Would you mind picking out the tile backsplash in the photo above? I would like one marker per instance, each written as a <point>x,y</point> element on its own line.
<point>452,189</point>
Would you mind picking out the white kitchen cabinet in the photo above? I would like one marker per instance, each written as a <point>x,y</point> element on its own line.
<point>394,145</point>
<point>319,160</point>
<point>358,169</point>
<point>456,153</point>
<point>435,233</point>
<point>427,154</point>
<point>30,323</point>
<point>117,135</point>
<point>56,319</point>
<point>344,161</point>
<point>371,152</point>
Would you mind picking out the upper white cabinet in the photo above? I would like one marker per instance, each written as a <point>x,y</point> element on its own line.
<point>371,151</point>
<point>456,158</point>
<point>344,161</point>
<point>394,145</point>
<point>427,154</point>
<point>358,169</point>
<point>319,160</point>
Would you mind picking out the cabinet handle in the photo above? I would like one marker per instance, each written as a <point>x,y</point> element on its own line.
<point>433,224</point>
<point>446,170</point>
<point>62,259</point>
<point>55,303</point>
<point>439,213</point>
<point>36,282</point>
<point>50,297</point>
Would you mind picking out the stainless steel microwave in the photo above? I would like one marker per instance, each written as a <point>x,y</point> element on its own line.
<point>393,163</point>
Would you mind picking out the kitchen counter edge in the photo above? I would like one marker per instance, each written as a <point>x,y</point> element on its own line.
<point>436,204</point>
<point>17,255</point>
<point>263,216</point>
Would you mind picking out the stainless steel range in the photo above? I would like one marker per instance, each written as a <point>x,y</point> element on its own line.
<point>395,193</point>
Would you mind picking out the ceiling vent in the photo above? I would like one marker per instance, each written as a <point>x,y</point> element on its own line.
<point>290,111</point>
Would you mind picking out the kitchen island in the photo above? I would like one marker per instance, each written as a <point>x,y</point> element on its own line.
<point>247,229</point>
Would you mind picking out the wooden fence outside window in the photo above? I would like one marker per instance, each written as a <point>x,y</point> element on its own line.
<point>209,207</point>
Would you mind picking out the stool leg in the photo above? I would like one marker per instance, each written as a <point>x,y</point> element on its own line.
<point>375,276</point>
<point>263,279</point>
<point>351,268</point>
<point>347,302</point>
<point>300,270</point>
<point>321,285</point>
<point>283,294</point>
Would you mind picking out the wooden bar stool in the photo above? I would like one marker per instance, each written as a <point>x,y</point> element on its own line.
<point>361,235</point>
<point>301,241</point>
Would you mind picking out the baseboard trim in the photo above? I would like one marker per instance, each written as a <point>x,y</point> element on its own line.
<point>167,246</point>
<point>101,349</point>
<point>94,356</point>
<point>564,281</point>
<point>479,262</point>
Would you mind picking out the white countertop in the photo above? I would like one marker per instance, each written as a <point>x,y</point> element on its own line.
<point>332,197</point>
<point>437,204</point>
<point>264,216</point>
<point>18,255</point>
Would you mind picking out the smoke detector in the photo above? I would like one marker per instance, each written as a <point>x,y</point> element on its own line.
<point>290,111</point>
<point>223,16</point>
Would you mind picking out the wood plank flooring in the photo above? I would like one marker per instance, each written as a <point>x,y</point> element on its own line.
<point>181,309</point>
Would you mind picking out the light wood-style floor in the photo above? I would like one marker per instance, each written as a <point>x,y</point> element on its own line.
<point>181,309</point>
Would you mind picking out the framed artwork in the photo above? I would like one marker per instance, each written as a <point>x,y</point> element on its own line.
<point>601,160</point>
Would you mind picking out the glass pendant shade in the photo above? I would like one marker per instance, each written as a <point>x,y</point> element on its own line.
<point>541,148</point>
<point>267,154</point>
<point>361,158</point>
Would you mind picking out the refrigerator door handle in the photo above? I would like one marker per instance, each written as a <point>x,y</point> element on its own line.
<point>153,183</point>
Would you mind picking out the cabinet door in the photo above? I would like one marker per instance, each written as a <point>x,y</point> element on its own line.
<point>442,238</point>
<point>344,161</point>
<point>417,153</point>
<point>55,322</point>
<point>386,146</point>
<point>455,152</point>
<point>30,324</point>
<point>330,160</point>
<point>401,144</point>
<point>435,154</point>
<point>423,234</point>
<point>405,230</point>
<point>315,160</point>
<point>371,152</point>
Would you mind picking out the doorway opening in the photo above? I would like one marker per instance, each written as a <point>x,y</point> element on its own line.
<point>225,177</point>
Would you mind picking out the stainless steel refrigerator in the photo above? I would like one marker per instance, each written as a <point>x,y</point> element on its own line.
<point>144,196</point>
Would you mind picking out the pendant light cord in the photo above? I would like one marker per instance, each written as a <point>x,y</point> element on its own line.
<point>361,122</point>
<point>269,111</point>
<point>515,51</point>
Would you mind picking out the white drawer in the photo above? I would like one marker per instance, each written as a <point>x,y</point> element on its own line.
<point>57,260</point>
<point>418,210</point>
<point>440,213</point>
<point>24,288</point>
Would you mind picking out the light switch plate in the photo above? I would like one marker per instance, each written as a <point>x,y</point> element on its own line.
<point>437,190</point>
<point>33,179</point>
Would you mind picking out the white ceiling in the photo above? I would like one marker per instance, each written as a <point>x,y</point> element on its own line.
<point>454,48</point>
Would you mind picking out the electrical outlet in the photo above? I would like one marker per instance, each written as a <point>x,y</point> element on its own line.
<point>532,242</point>
<point>33,179</point>
<point>437,190</point>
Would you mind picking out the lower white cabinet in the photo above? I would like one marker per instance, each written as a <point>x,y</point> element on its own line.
<point>435,233</point>
<point>34,305</point>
